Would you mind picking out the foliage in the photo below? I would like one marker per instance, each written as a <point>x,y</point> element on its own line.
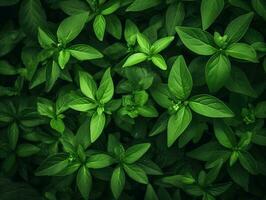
<point>132,99</point>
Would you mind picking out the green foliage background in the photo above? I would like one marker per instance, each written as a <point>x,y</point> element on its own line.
<point>132,99</point>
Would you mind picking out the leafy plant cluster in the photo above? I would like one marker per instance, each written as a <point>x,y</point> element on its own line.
<point>132,99</point>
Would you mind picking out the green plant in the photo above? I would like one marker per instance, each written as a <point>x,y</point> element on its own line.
<point>132,99</point>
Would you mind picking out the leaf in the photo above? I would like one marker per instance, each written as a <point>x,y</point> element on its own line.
<point>136,173</point>
<point>45,107</point>
<point>57,124</point>
<point>161,44</point>
<point>217,72</point>
<point>80,103</point>
<point>98,161</point>
<point>143,42</point>
<point>46,39</point>
<point>13,135</point>
<point>84,182</point>
<point>71,27</point>
<point>179,80</point>
<point>73,7</point>
<point>99,26</point>
<point>150,193</point>
<point>114,26</point>
<point>52,74</point>
<point>7,69</point>
<point>209,106</point>
<point>96,125</point>
<point>130,32</point>
<point>239,175</point>
<point>238,82</point>
<point>135,59</point>
<point>198,41</point>
<point>63,58</point>
<point>84,52</point>
<point>174,16</point>
<point>210,10</point>
<point>87,85</point>
<point>177,124</point>
<point>26,150</point>
<point>224,134</point>
<point>135,152</point>
<point>248,162</point>
<point>52,165</point>
<point>117,181</point>
<point>237,28</point>
<point>259,7</point>
<point>139,5</point>
<point>32,16</point>
<point>159,61</point>
<point>105,91</point>
<point>260,110</point>
<point>242,51</point>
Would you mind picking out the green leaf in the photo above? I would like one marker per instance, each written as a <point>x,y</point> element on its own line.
<point>143,42</point>
<point>178,180</point>
<point>71,7</point>
<point>161,44</point>
<point>98,161</point>
<point>96,125</point>
<point>84,182</point>
<point>135,59</point>
<point>248,162</point>
<point>238,82</point>
<point>209,106</point>
<point>177,124</point>
<point>110,7</point>
<point>237,28</point>
<point>7,69</point>
<point>46,39</point>
<point>25,150</point>
<point>217,71</point>
<point>71,27</point>
<point>105,91</point>
<point>174,16</point>
<point>87,85</point>
<point>180,81</point>
<point>135,152</point>
<point>57,124</point>
<point>130,33</point>
<point>242,51</point>
<point>136,173</point>
<point>52,74</point>
<point>52,165</point>
<point>239,175</point>
<point>13,135</point>
<point>161,95</point>
<point>210,10</point>
<point>63,58</point>
<point>84,52</point>
<point>45,107</point>
<point>159,61</point>
<point>32,16</point>
<point>224,134</point>
<point>117,181</point>
<point>260,110</point>
<point>139,5</point>
<point>99,26</point>
<point>259,7</point>
<point>147,111</point>
<point>80,103</point>
<point>197,40</point>
<point>150,193</point>
<point>114,26</point>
